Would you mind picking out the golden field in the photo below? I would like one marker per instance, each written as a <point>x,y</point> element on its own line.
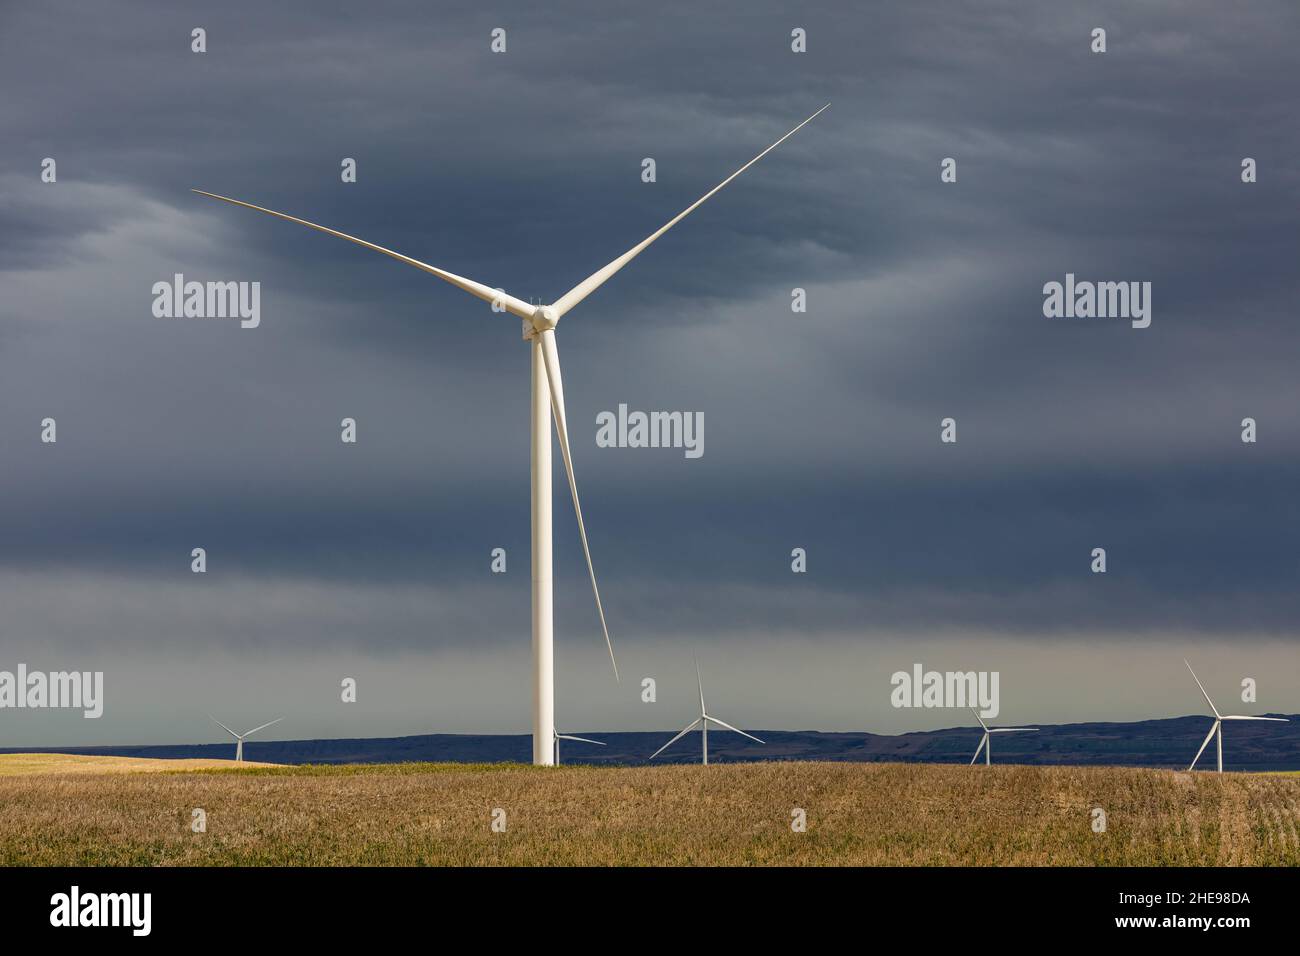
<point>726,814</point>
<point>19,764</point>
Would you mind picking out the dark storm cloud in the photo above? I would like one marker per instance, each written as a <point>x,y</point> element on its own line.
<point>523,170</point>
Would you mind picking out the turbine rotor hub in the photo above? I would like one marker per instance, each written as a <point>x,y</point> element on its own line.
<point>543,320</point>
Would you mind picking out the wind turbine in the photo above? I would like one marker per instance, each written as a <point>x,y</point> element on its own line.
<point>559,736</point>
<point>986,744</point>
<point>239,738</point>
<point>539,323</point>
<point>702,722</point>
<point>1217,727</point>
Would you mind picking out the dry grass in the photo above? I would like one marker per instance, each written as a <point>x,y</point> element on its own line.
<point>728,814</point>
<point>27,764</point>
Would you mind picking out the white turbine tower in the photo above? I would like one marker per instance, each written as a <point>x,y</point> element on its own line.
<point>1217,728</point>
<point>547,399</point>
<point>559,736</point>
<point>702,722</point>
<point>239,738</point>
<point>986,744</point>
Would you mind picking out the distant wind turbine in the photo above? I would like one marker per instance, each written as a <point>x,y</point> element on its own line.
<point>239,738</point>
<point>539,323</point>
<point>1217,728</point>
<point>559,736</point>
<point>702,722</point>
<point>986,744</point>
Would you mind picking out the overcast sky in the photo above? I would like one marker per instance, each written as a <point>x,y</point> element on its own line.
<point>822,429</point>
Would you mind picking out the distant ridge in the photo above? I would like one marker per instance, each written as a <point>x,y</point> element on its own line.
<point>1149,743</point>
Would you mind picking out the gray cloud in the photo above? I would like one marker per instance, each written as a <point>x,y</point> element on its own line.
<point>822,429</point>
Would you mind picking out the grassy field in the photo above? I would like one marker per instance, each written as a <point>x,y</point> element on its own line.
<point>728,814</point>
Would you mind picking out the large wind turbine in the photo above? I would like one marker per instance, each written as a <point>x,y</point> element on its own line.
<point>539,323</point>
<point>702,722</point>
<point>1217,728</point>
<point>559,736</point>
<point>986,743</point>
<point>239,738</point>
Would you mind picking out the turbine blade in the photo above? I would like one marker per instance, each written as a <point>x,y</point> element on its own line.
<point>508,302</point>
<point>980,719</point>
<point>1202,687</point>
<point>223,726</point>
<point>689,728</point>
<point>597,279</point>
<point>1236,717</point>
<point>1205,743</point>
<point>723,723</point>
<point>983,741</point>
<point>1009,730</point>
<point>583,739</point>
<point>249,733</point>
<point>551,353</point>
<point>699,682</point>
